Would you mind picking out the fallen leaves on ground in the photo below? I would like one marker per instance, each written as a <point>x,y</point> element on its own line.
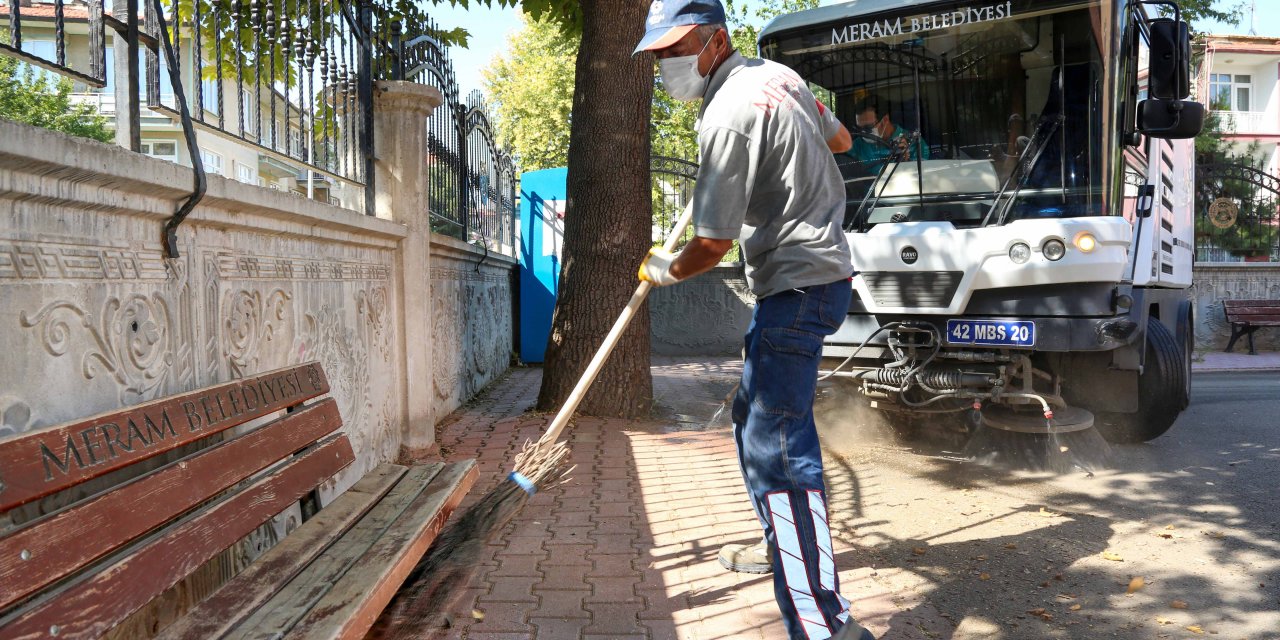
<point>1136,583</point>
<point>1112,556</point>
<point>1178,604</point>
<point>1047,514</point>
<point>984,576</point>
<point>1010,545</point>
<point>919,551</point>
<point>1075,607</point>
<point>1217,535</point>
<point>1195,628</point>
<point>478,615</point>
<point>1042,614</point>
<point>1163,620</point>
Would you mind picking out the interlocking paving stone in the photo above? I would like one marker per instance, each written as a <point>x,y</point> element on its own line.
<point>627,547</point>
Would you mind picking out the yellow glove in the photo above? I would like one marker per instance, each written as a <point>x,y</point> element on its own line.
<point>656,268</point>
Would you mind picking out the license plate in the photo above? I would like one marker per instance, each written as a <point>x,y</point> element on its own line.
<point>994,333</point>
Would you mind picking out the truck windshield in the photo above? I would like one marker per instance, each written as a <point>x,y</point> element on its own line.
<point>945,104</point>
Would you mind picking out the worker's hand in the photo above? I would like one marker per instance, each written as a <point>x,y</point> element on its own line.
<point>656,268</point>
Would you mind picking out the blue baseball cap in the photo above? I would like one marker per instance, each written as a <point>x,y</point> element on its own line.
<point>671,20</point>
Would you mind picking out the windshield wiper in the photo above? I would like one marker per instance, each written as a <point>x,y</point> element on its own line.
<point>895,158</point>
<point>1035,148</point>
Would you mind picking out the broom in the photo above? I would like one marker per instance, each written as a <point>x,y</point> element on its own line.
<point>448,564</point>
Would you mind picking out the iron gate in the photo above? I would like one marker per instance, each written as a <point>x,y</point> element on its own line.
<point>673,180</point>
<point>1237,214</point>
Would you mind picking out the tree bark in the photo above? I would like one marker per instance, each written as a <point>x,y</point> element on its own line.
<point>607,220</point>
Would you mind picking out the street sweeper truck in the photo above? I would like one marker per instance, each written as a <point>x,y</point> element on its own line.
<point>1019,205</point>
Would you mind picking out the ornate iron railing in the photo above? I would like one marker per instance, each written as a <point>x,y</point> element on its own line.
<point>472,186</point>
<point>1237,214</point>
<point>672,182</point>
<point>289,79</point>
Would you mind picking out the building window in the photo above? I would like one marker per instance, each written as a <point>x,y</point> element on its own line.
<point>212,162</point>
<point>250,112</point>
<point>295,142</point>
<point>45,50</point>
<point>247,174</point>
<point>209,95</point>
<point>162,149</point>
<point>1229,92</point>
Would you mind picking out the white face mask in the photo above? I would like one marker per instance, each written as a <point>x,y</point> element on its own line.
<point>680,76</point>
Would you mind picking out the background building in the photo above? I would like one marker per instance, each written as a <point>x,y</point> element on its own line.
<point>1238,82</point>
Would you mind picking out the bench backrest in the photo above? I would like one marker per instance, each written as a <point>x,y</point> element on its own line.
<point>122,531</point>
<point>1252,310</point>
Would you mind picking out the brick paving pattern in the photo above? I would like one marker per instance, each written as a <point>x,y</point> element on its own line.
<point>626,548</point>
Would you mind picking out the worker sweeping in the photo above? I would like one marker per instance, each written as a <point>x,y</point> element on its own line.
<point>767,178</point>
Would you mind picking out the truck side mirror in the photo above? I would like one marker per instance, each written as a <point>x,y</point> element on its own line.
<point>1170,59</point>
<point>1170,119</point>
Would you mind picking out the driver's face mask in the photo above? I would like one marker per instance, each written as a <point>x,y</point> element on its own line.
<point>868,128</point>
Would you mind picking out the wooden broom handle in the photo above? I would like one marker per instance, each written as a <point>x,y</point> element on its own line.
<point>611,340</point>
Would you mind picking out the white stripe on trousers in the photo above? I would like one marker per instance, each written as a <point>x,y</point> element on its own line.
<point>793,567</point>
<point>826,556</point>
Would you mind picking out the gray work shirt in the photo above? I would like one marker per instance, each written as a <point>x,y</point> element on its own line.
<point>767,179</point>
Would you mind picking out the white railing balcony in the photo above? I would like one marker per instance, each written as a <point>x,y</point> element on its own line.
<point>105,103</point>
<point>1248,122</point>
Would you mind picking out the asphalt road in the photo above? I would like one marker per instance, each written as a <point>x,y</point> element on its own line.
<point>1180,538</point>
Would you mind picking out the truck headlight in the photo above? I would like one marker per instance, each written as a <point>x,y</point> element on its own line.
<point>1020,253</point>
<point>1085,242</point>
<point>1054,249</point>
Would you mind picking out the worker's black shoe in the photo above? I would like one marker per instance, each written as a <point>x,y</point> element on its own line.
<point>853,631</point>
<point>742,558</point>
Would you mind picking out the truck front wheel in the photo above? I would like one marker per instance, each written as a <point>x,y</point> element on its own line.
<point>1162,388</point>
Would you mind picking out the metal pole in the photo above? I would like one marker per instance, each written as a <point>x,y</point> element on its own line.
<point>125,50</point>
<point>366,104</point>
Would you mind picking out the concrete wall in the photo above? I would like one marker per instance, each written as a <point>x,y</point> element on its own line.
<point>1215,283</point>
<point>708,315</point>
<point>472,325</point>
<point>95,317</point>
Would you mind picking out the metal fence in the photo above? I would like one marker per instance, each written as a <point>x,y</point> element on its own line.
<point>672,180</point>
<point>1237,214</point>
<point>471,183</point>
<point>289,79</point>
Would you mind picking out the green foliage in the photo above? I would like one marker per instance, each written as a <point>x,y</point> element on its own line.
<point>1199,11</point>
<point>530,89</point>
<point>264,36</point>
<point>38,98</point>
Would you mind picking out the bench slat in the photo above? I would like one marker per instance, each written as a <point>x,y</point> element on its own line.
<point>1250,303</point>
<point>293,602</point>
<point>56,545</point>
<point>89,607</point>
<point>267,575</point>
<point>41,462</point>
<point>355,601</point>
<point>1254,312</point>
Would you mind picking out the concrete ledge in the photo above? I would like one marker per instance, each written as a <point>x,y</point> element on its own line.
<point>76,172</point>
<point>454,248</point>
<point>1237,265</point>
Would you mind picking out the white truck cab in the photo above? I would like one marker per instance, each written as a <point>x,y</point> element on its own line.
<point>1019,209</point>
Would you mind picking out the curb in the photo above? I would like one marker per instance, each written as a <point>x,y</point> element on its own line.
<point>1237,370</point>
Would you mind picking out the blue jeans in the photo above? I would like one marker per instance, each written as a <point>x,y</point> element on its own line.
<point>780,456</point>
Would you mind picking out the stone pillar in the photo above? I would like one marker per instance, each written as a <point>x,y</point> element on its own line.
<point>400,177</point>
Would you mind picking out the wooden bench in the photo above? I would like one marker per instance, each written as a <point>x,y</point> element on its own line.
<point>117,545</point>
<point>1247,316</point>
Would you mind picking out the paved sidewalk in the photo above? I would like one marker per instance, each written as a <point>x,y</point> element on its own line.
<point>1238,361</point>
<point>627,547</point>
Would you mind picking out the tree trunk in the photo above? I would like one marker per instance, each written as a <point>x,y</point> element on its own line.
<point>607,221</point>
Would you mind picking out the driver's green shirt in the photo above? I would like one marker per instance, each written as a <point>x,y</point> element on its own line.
<point>872,156</point>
